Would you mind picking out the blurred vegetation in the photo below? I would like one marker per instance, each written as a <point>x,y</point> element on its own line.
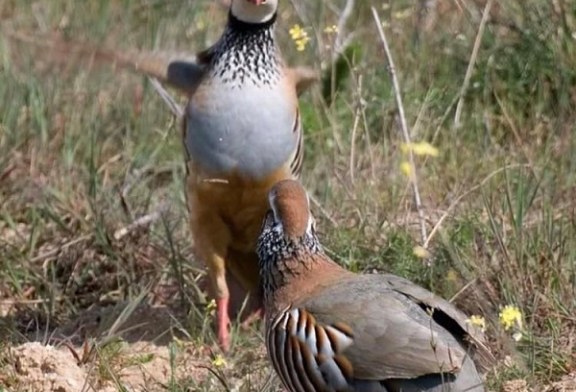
<point>86,150</point>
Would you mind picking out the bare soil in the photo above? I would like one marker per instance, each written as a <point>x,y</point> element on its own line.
<point>145,355</point>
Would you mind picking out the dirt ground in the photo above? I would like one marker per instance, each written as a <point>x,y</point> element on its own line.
<point>41,368</point>
<point>48,368</point>
<point>148,357</point>
<point>145,347</point>
<point>147,350</point>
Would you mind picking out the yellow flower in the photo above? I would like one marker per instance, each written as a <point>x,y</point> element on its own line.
<point>510,316</point>
<point>297,32</point>
<point>477,321</point>
<point>299,36</point>
<point>301,43</point>
<point>421,252</point>
<point>407,169</point>
<point>424,148</point>
<point>403,14</point>
<point>211,306</point>
<point>331,29</point>
<point>420,148</point>
<point>218,361</point>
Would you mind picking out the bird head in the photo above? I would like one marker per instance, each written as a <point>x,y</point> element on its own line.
<point>290,209</point>
<point>254,11</point>
<point>287,239</point>
<point>288,227</point>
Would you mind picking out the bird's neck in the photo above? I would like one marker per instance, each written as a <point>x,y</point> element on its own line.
<point>299,277</point>
<point>283,262</point>
<point>281,257</point>
<point>247,53</point>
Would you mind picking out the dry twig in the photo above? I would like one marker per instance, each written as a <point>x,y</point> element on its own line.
<point>471,63</point>
<point>342,41</point>
<point>404,126</point>
<point>174,107</point>
<point>144,220</point>
<point>469,191</point>
<point>56,251</point>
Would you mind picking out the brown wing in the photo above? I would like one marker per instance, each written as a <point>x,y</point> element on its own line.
<point>393,336</point>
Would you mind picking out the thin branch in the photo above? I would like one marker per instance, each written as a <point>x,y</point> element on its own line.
<point>54,252</point>
<point>357,115</point>
<point>404,125</point>
<point>353,144</point>
<point>323,210</point>
<point>469,191</point>
<point>143,221</point>
<point>471,63</point>
<point>463,289</point>
<point>120,233</point>
<point>174,107</point>
<point>341,41</point>
<point>31,301</point>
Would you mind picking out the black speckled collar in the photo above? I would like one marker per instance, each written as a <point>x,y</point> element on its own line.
<point>238,25</point>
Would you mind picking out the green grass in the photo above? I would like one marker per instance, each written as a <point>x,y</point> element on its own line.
<point>86,150</point>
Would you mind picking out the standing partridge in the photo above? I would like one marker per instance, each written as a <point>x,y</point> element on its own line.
<point>328,329</point>
<point>242,134</point>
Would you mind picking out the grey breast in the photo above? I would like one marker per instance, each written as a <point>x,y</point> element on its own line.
<point>246,128</point>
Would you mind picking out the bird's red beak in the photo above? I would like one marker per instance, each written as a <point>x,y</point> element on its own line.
<point>257,2</point>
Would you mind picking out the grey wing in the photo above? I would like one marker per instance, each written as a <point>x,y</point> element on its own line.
<point>427,299</point>
<point>392,336</point>
<point>184,75</point>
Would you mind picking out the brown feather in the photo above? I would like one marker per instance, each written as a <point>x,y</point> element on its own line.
<point>290,204</point>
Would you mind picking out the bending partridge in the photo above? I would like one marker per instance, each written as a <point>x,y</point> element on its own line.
<point>328,329</point>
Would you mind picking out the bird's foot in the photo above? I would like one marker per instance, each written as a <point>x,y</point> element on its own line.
<point>223,321</point>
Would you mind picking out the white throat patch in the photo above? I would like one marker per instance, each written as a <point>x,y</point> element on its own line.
<point>248,12</point>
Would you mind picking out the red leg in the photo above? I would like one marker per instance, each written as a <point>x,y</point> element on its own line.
<point>223,321</point>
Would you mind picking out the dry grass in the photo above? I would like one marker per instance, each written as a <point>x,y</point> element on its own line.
<point>86,151</point>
